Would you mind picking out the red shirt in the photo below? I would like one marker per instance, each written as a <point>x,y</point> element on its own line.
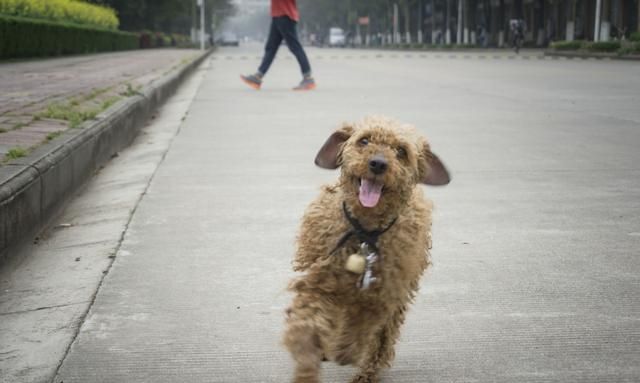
<point>285,8</point>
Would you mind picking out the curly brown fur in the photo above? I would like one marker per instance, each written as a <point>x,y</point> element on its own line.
<point>330,317</point>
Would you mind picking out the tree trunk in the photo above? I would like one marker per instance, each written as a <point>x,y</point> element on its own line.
<point>447,20</point>
<point>501,24</point>
<point>407,22</point>
<point>519,14</point>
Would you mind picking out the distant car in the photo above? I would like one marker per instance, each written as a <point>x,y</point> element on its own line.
<point>337,37</point>
<point>229,39</point>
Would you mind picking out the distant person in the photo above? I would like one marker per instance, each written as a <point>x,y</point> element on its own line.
<point>517,34</point>
<point>284,25</point>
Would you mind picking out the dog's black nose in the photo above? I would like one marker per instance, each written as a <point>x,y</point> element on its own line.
<point>378,164</point>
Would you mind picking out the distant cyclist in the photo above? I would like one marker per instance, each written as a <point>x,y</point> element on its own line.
<point>517,34</point>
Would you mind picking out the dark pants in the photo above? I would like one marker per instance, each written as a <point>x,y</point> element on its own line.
<point>283,27</point>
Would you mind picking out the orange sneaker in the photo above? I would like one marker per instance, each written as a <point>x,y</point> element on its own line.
<point>307,83</point>
<point>252,80</point>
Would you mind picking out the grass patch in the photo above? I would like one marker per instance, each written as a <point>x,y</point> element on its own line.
<point>19,125</point>
<point>69,112</point>
<point>95,93</point>
<point>53,135</point>
<point>108,103</point>
<point>3,130</point>
<point>131,91</point>
<point>58,111</point>
<point>78,110</point>
<point>15,153</point>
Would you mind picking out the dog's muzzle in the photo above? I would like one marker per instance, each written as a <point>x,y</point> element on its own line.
<point>378,164</point>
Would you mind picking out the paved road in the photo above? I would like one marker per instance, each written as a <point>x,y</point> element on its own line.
<point>536,271</point>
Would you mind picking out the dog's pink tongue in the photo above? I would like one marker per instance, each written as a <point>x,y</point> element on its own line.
<point>369,193</point>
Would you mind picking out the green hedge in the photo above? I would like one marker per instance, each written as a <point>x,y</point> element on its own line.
<point>590,46</point>
<point>21,37</point>
<point>602,46</point>
<point>64,11</point>
<point>635,36</point>
<point>567,45</point>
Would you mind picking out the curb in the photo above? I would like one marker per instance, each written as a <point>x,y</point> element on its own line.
<point>590,55</point>
<point>34,188</point>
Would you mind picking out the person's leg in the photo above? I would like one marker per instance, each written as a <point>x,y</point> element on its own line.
<point>271,48</point>
<point>289,30</point>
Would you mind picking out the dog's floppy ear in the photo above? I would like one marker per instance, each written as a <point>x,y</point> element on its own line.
<point>432,170</point>
<point>329,155</point>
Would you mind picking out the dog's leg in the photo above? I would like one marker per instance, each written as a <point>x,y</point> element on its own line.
<point>302,338</point>
<point>382,349</point>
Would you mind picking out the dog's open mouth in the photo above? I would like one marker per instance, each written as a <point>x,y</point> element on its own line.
<point>370,192</point>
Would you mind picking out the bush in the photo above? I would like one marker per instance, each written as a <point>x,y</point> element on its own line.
<point>635,36</point>
<point>181,40</point>
<point>29,38</point>
<point>567,45</point>
<point>150,39</point>
<point>70,11</point>
<point>146,40</point>
<point>162,40</point>
<point>602,46</point>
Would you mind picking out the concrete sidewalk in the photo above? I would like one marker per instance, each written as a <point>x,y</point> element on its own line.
<point>57,134</point>
<point>37,95</point>
<point>47,287</point>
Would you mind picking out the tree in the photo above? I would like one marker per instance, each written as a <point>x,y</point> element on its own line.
<point>170,16</point>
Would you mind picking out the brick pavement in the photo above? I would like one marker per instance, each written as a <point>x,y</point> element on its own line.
<point>42,97</point>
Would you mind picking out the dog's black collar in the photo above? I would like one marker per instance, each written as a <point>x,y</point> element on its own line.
<point>365,236</point>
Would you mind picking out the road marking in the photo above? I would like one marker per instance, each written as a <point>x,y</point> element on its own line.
<point>431,55</point>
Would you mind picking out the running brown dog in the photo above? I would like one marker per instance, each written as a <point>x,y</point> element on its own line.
<point>362,248</point>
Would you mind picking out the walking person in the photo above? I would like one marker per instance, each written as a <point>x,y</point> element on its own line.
<point>284,26</point>
<point>517,34</point>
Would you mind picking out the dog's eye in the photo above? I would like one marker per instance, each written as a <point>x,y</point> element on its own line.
<point>364,141</point>
<point>401,152</point>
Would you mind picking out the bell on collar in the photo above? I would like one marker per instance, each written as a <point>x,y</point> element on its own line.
<point>356,263</point>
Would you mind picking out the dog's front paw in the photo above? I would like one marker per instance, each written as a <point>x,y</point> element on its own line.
<point>365,379</point>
